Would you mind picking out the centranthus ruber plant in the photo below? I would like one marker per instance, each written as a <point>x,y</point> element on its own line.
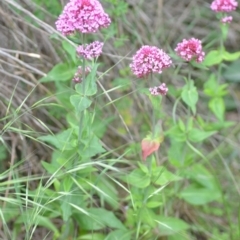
<point>147,61</point>
<point>171,166</point>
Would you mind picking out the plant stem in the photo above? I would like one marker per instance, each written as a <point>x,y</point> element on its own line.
<point>83,84</point>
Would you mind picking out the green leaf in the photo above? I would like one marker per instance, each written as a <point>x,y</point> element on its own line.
<point>60,72</point>
<point>176,133</point>
<point>202,176</point>
<point>190,95</point>
<point>232,72</point>
<point>80,103</point>
<point>138,179</point>
<point>67,183</point>
<point>88,87</point>
<point>169,225</point>
<point>161,176</point>
<point>66,207</point>
<point>107,217</point>
<point>217,106</point>
<point>92,236</point>
<point>181,125</point>
<point>107,191</point>
<point>71,50</point>
<point>62,141</point>
<point>199,196</point>
<point>183,236</point>
<point>51,168</point>
<point>143,167</point>
<point>119,235</point>
<point>38,220</point>
<point>212,58</point>
<point>197,135</point>
<point>154,204</point>
<point>230,56</point>
<point>213,89</point>
<point>91,147</point>
<point>147,216</point>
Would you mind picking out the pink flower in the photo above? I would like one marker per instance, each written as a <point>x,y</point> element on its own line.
<point>227,19</point>
<point>160,90</point>
<point>149,146</point>
<point>77,78</point>
<point>190,49</point>
<point>149,59</point>
<point>224,5</point>
<point>91,50</point>
<point>85,16</point>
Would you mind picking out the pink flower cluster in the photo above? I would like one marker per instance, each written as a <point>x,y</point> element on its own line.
<point>227,19</point>
<point>190,49</point>
<point>224,5</point>
<point>160,90</point>
<point>149,59</point>
<point>89,51</point>
<point>85,16</point>
<point>77,78</point>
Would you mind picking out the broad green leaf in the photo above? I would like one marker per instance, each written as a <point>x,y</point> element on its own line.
<point>66,207</point>
<point>190,95</point>
<point>108,191</point>
<point>71,50</point>
<point>175,153</point>
<point>51,168</point>
<point>212,58</point>
<point>162,176</point>
<point>219,125</point>
<point>88,87</point>
<point>38,220</point>
<point>80,103</point>
<point>147,216</point>
<point>107,218</point>
<point>213,89</point>
<point>88,222</point>
<point>181,125</point>
<point>62,141</point>
<point>176,133</point>
<point>170,225</point>
<point>118,235</point>
<point>67,183</point>
<point>143,167</point>
<point>202,176</point>
<point>60,72</point>
<point>154,204</point>
<point>183,236</point>
<point>217,106</point>
<point>199,196</point>
<point>138,179</point>
<point>99,218</point>
<point>91,147</point>
<point>197,135</point>
<point>231,56</point>
<point>232,72</point>
<point>92,236</point>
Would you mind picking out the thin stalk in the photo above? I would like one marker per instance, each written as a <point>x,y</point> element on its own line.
<point>83,84</point>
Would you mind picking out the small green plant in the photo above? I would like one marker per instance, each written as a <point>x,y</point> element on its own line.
<point>160,188</point>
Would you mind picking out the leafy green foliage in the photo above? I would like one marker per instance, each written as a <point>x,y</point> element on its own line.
<point>95,183</point>
<point>190,95</point>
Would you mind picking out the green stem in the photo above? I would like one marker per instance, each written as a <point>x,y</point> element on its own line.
<point>83,84</point>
